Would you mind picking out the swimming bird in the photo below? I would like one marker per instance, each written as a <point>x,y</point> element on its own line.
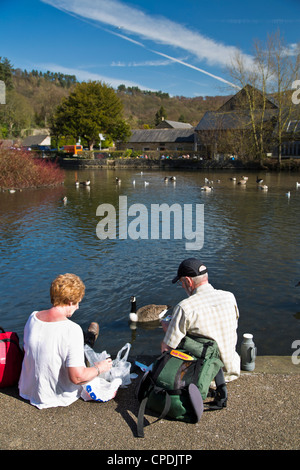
<point>77,184</point>
<point>206,188</point>
<point>297,185</point>
<point>208,182</point>
<point>85,183</point>
<point>232,178</point>
<point>259,180</point>
<point>166,179</point>
<point>264,187</point>
<point>173,178</point>
<point>65,200</point>
<point>118,181</point>
<point>146,183</point>
<point>147,313</point>
<point>288,194</point>
<point>243,182</point>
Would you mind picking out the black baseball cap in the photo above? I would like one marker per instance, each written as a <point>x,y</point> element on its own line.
<point>189,267</point>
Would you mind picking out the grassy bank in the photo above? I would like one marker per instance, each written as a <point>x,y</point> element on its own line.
<point>21,170</point>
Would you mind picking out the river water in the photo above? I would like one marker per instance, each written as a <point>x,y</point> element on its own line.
<point>250,245</point>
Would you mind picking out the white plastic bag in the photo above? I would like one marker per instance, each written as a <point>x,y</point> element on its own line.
<point>121,367</point>
<point>100,389</point>
<point>93,357</point>
<point>104,387</point>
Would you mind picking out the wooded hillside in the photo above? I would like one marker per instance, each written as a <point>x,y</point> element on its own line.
<point>32,97</point>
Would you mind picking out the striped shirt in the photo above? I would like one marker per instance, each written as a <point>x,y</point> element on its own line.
<point>211,313</point>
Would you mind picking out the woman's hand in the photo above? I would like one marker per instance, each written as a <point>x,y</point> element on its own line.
<point>81,375</point>
<point>104,366</point>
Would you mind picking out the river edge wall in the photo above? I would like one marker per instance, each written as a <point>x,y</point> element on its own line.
<point>176,164</point>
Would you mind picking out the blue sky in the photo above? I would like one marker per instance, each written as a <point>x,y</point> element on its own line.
<point>178,47</point>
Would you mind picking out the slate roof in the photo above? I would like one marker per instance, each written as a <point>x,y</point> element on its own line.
<point>232,120</point>
<point>162,135</point>
<point>33,140</point>
<point>166,124</point>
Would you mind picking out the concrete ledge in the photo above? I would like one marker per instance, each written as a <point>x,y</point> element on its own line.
<point>275,365</point>
<point>262,413</point>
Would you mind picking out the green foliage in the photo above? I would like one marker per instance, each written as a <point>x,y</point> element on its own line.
<point>33,97</point>
<point>160,115</point>
<point>6,73</point>
<point>92,108</point>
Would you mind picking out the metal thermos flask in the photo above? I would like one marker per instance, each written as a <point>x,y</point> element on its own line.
<point>248,352</point>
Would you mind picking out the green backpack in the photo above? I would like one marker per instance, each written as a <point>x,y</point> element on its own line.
<point>180,380</point>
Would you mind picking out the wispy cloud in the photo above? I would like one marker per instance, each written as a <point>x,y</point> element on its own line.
<point>291,50</point>
<point>130,20</point>
<point>145,63</point>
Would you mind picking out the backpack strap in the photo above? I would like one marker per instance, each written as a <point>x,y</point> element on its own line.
<point>196,400</point>
<point>152,376</point>
<point>141,414</point>
<point>220,394</point>
<point>10,340</point>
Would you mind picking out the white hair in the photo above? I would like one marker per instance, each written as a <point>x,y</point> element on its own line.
<point>201,278</point>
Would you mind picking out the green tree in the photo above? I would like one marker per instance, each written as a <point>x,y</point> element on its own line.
<point>15,115</point>
<point>92,108</point>
<point>6,73</point>
<point>160,115</point>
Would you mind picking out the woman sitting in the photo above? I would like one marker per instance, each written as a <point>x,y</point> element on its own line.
<point>54,366</point>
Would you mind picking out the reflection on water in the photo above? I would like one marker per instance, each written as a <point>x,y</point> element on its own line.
<point>251,241</point>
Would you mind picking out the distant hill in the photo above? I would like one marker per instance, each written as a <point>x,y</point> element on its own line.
<point>140,107</point>
<point>37,94</point>
<point>45,91</point>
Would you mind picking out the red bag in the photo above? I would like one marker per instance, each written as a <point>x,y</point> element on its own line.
<point>11,357</point>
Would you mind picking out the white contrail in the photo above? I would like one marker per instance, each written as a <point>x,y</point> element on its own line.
<point>197,68</point>
<point>157,29</point>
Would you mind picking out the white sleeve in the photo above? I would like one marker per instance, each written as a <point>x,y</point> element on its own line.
<point>75,355</point>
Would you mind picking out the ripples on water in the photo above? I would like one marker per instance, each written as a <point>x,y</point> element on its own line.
<point>251,241</point>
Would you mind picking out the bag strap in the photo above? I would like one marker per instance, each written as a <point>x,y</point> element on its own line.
<point>9,340</point>
<point>141,413</point>
<point>220,394</point>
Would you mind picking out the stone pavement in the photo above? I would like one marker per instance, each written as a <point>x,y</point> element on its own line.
<point>262,414</point>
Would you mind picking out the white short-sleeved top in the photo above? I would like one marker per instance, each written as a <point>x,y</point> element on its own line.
<point>50,348</point>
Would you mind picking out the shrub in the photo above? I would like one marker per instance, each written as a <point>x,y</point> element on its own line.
<point>20,169</point>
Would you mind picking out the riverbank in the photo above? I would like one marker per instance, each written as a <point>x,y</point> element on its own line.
<point>262,414</point>
<point>178,164</point>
